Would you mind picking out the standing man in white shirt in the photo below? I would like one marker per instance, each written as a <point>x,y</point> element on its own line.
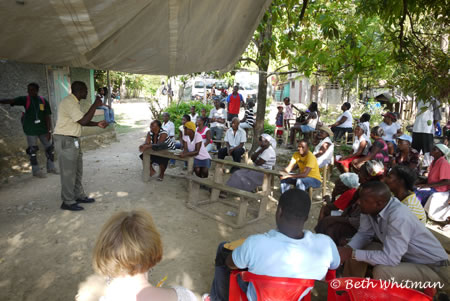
<point>344,123</point>
<point>217,117</point>
<point>67,143</point>
<point>235,139</point>
<point>168,125</point>
<point>289,251</point>
<point>423,129</point>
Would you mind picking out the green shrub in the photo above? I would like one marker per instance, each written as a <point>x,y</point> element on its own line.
<point>177,111</point>
<point>269,128</point>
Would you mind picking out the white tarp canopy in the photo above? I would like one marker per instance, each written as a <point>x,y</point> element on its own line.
<point>167,37</point>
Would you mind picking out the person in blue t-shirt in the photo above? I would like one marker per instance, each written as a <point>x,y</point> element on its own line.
<point>290,251</point>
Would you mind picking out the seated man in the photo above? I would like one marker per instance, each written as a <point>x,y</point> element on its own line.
<point>217,117</point>
<point>234,139</point>
<point>288,251</point>
<point>344,122</point>
<point>109,112</point>
<point>309,175</point>
<point>408,250</point>
<point>325,149</point>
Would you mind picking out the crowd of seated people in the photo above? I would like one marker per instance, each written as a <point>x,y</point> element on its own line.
<point>376,213</point>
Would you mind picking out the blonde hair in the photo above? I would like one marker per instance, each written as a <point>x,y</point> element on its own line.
<point>128,244</point>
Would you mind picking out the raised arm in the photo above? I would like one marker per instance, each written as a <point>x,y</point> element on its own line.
<point>86,119</point>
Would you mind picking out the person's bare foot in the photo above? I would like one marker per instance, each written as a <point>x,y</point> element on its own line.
<point>152,172</point>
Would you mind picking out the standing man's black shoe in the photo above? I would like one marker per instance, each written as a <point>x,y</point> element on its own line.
<point>86,200</point>
<point>73,207</point>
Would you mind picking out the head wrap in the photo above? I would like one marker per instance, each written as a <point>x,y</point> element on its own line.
<point>363,127</point>
<point>326,130</point>
<point>269,138</point>
<point>374,168</point>
<point>445,150</point>
<point>350,179</point>
<point>190,125</point>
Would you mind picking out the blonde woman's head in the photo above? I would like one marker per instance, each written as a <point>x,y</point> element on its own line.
<point>128,244</point>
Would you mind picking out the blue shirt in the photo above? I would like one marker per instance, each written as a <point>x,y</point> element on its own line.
<point>274,254</point>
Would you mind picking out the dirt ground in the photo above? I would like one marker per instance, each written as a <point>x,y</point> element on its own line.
<point>46,252</point>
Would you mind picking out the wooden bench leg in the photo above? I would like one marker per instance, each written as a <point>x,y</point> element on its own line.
<point>324,180</point>
<point>193,193</point>
<point>146,167</point>
<point>218,178</point>
<point>242,215</point>
<point>310,192</point>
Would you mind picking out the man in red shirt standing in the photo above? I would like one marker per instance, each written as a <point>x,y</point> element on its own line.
<point>234,100</point>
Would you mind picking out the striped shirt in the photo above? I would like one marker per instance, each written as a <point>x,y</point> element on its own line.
<point>168,141</point>
<point>250,117</point>
<point>415,206</point>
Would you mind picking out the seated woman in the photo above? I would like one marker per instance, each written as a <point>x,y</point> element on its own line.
<point>360,148</point>
<point>157,138</point>
<point>309,174</point>
<point>365,121</point>
<point>342,228</point>
<point>193,146</point>
<point>391,130</point>
<point>378,151</point>
<point>400,180</point>
<point>204,131</point>
<point>127,248</point>
<point>343,192</point>
<point>344,123</point>
<point>325,149</point>
<point>264,157</point>
<point>406,155</point>
<point>438,175</point>
<point>307,124</point>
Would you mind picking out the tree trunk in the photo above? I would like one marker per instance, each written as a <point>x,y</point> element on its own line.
<point>263,60</point>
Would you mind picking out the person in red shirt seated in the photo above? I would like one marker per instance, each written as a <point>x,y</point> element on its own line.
<point>342,194</point>
<point>235,101</point>
<point>438,176</point>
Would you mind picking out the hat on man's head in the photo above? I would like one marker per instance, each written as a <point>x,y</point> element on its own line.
<point>326,130</point>
<point>390,115</point>
<point>406,138</point>
<point>190,125</point>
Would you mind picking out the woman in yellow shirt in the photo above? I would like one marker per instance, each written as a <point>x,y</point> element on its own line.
<point>400,180</point>
<point>309,174</point>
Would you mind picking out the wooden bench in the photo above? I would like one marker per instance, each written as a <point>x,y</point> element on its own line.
<point>245,155</point>
<point>326,173</point>
<point>444,240</point>
<point>170,154</point>
<point>217,185</point>
<point>99,112</point>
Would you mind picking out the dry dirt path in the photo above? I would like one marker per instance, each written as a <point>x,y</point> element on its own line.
<point>46,252</point>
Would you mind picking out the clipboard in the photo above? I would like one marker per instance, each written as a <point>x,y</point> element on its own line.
<point>234,244</point>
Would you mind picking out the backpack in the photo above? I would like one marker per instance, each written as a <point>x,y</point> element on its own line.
<point>27,105</point>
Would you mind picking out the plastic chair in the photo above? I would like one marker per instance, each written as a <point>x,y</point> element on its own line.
<point>370,289</point>
<point>272,288</point>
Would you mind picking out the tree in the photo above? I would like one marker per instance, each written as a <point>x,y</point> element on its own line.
<point>419,32</point>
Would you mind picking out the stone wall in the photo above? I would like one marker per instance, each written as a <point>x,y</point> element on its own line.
<point>14,78</point>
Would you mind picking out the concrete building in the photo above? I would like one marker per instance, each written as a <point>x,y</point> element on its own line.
<point>54,83</point>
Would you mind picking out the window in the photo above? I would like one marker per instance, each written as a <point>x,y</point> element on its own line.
<point>293,84</point>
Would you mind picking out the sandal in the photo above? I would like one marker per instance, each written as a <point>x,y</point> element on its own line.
<point>160,179</point>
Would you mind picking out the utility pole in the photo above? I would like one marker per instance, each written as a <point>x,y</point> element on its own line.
<point>108,78</point>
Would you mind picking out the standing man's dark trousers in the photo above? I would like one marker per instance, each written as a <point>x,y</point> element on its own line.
<point>236,154</point>
<point>33,149</point>
<point>70,160</point>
